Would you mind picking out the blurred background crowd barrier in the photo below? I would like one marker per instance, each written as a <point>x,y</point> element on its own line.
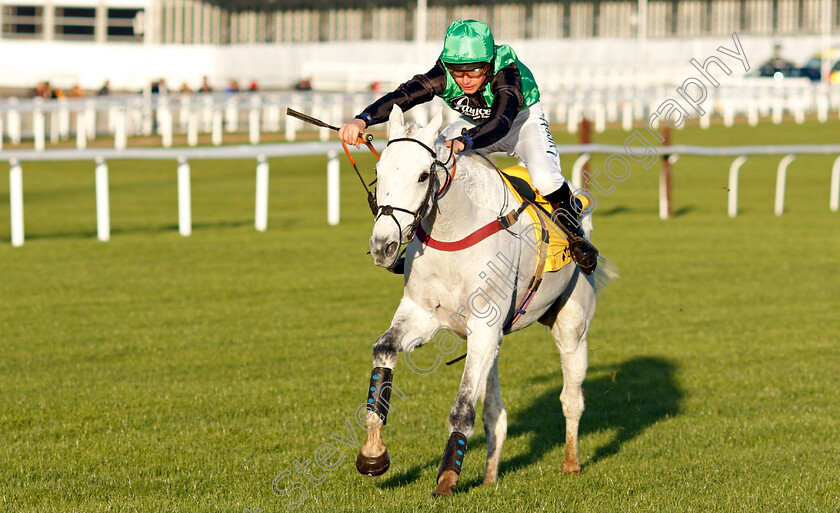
<point>259,113</point>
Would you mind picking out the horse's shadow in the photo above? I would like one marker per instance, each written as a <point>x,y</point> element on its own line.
<point>627,398</point>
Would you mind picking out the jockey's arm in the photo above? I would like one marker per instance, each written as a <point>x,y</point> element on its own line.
<point>507,102</point>
<point>420,89</point>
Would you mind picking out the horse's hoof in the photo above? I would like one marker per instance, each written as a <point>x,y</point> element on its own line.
<point>446,482</point>
<point>375,466</point>
<point>570,468</point>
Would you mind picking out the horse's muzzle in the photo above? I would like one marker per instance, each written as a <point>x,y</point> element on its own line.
<point>384,251</point>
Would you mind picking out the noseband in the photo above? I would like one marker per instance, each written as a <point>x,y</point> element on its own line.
<point>420,213</point>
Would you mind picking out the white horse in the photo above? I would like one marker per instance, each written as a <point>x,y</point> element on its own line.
<point>474,292</point>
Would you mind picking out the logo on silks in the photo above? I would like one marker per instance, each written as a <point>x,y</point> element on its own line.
<point>462,104</point>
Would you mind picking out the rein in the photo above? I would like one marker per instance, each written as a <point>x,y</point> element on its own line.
<point>370,197</point>
<point>499,224</point>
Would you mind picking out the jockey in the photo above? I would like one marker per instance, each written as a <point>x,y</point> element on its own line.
<point>498,100</point>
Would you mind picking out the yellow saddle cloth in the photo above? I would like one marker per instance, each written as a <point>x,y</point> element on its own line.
<point>558,248</point>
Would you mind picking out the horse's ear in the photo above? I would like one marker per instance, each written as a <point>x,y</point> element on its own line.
<point>430,131</point>
<point>396,123</point>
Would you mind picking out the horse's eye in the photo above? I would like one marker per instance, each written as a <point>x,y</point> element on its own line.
<point>423,177</point>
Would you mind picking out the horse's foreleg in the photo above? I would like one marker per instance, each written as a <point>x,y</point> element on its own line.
<point>482,347</point>
<point>410,322</point>
<point>495,423</point>
<point>569,332</point>
<point>373,457</point>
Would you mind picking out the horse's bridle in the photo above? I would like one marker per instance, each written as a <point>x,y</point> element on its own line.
<point>421,212</point>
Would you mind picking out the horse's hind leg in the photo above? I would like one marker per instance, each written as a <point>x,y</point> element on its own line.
<point>409,323</point>
<point>495,423</point>
<point>569,331</point>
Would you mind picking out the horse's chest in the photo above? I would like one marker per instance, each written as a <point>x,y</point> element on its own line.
<point>445,298</point>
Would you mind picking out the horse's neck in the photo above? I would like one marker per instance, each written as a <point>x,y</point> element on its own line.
<point>475,196</point>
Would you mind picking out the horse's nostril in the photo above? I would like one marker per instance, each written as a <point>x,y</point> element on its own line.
<point>391,249</point>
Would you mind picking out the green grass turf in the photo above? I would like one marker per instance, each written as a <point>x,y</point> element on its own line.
<point>162,373</point>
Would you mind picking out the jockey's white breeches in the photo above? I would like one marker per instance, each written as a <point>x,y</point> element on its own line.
<point>529,141</point>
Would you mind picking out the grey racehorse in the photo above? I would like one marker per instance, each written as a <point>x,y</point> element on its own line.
<point>477,291</point>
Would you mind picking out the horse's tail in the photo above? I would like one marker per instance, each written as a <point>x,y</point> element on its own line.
<point>604,273</point>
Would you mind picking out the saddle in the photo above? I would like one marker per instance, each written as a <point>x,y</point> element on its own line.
<point>518,181</point>
<point>520,185</point>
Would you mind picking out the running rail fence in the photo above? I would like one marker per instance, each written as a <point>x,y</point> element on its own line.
<point>609,99</point>
<point>263,152</point>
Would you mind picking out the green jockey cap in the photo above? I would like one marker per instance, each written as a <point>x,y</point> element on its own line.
<point>468,45</point>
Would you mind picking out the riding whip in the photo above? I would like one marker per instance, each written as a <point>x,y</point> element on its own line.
<point>317,122</point>
<point>366,140</point>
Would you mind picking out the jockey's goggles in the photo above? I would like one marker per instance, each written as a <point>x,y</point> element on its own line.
<point>472,71</point>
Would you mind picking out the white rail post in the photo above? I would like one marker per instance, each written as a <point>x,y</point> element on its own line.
<point>272,114</point>
<point>665,188</point>
<point>232,114</point>
<point>103,209</point>
<point>81,131</point>
<point>184,112</point>
<point>728,113</point>
<point>600,117</point>
<point>333,202</point>
<point>291,123</point>
<point>38,126</point>
<point>121,130</point>
<point>148,121</point>
<point>192,127</point>
<point>627,116</point>
<point>706,120</point>
<point>63,120</point>
<point>16,202</point>
<point>561,110</point>
<point>752,111</point>
<point>798,109</point>
<point>822,107</point>
<point>323,112</point>
<point>261,209</point>
<point>834,202</point>
<point>781,176</point>
<point>254,120</point>
<point>164,113</point>
<point>778,110</point>
<point>577,170</point>
<point>13,118</point>
<point>337,113</point>
<point>290,128</point>
<point>90,116</point>
<point>184,207</point>
<point>55,126</point>
<point>611,106</point>
<point>207,114</point>
<point>733,185</point>
<point>217,127</point>
<point>573,118</point>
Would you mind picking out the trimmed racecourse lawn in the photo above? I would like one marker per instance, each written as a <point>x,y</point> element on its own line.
<point>156,372</point>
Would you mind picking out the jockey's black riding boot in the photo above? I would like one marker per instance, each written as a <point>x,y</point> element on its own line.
<point>566,212</point>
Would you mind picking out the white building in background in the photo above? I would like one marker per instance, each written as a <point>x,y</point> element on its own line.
<point>350,43</point>
<point>74,20</point>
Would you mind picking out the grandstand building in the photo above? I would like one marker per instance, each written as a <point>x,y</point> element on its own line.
<point>186,39</point>
<point>243,21</point>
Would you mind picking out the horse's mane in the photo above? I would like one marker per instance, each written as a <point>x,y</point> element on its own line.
<point>477,173</point>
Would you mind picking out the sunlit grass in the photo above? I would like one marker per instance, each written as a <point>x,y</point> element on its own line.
<point>162,373</point>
